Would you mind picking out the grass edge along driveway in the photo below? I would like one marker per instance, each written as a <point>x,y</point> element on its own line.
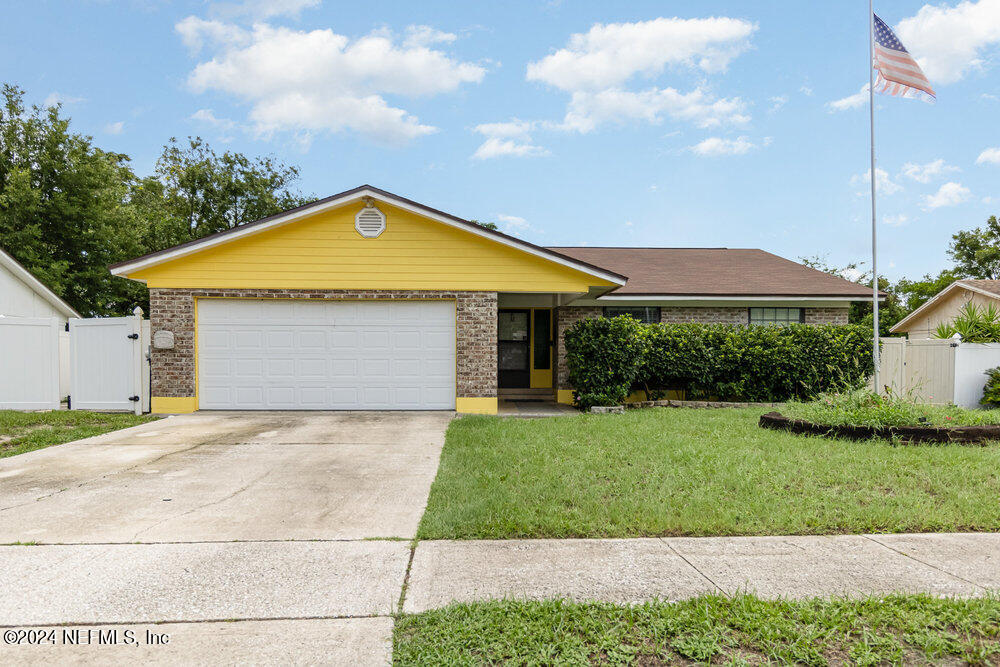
<point>672,472</point>
<point>22,432</point>
<point>903,629</point>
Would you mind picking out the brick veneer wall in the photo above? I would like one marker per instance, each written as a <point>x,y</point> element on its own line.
<point>566,317</point>
<point>173,371</point>
<point>826,315</point>
<point>569,315</point>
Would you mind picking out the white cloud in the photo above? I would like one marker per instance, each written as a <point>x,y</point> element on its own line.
<point>196,32</point>
<point>114,128</point>
<point>948,42</point>
<point>895,220</point>
<point>425,35</point>
<point>55,98</point>
<point>883,181</point>
<point>924,173</point>
<point>208,117</point>
<point>262,9</point>
<point>806,90</point>
<point>610,54</point>
<point>718,146</point>
<point>595,68</point>
<point>587,110</point>
<point>777,102</point>
<point>989,156</point>
<point>314,81</point>
<point>949,194</point>
<point>507,139</point>
<point>850,102</point>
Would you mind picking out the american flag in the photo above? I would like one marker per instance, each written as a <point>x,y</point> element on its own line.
<point>898,72</point>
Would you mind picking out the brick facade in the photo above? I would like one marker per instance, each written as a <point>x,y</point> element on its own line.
<point>826,315</point>
<point>710,315</point>
<point>173,371</point>
<point>566,317</point>
<point>569,315</point>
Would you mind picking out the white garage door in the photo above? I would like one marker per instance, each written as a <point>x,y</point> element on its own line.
<point>326,355</point>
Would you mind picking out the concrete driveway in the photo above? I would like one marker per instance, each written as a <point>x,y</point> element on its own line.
<point>295,524</point>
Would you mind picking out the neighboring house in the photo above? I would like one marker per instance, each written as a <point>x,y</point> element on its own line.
<point>945,305</point>
<point>23,295</point>
<point>367,300</point>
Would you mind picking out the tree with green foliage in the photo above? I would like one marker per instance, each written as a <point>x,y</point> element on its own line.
<point>65,212</point>
<point>977,252</point>
<point>890,310</point>
<point>69,209</point>
<point>487,225</point>
<point>204,192</point>
<point>916,293</point>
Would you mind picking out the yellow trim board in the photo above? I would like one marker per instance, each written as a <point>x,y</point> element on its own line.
<point>564,396</point>
<point>476,406</point>
<point>173,404</point>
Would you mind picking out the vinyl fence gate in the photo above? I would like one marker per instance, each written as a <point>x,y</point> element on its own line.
<point>110,363</point>
<point>29,363</point>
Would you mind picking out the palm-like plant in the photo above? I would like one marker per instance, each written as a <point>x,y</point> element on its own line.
<point>975,324</point>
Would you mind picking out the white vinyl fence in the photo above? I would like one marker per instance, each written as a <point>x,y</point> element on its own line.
<point>937,371</point>
<point>110,366</point>
<point>29,363</point>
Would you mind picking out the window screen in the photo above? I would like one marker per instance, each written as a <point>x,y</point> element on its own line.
<point>777,315</point>
<point>645,314</point>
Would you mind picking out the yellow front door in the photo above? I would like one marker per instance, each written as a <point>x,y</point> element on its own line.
<point>541,348</point>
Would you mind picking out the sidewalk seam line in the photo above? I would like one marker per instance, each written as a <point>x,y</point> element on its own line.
<point>406,579</point>
<point>692,566</point>
<point>914,558</point>
<point>247,619</point>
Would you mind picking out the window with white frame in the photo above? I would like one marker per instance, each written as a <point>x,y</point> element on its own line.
<point>778,316</point>
<point>645,314</point>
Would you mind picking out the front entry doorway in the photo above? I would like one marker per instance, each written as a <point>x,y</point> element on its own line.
<point>524,355</point>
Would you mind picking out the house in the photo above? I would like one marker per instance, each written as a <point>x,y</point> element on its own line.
<point>944,306</point>
<point>368,300</point>
<point>23,295</point>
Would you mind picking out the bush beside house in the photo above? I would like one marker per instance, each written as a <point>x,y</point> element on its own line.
<point>607,358</point>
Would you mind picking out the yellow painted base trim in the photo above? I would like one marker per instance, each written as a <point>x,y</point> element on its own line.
<point>639,396</point>
<point>173,404</point>
<point>564,396</point>
<point>476,406</point>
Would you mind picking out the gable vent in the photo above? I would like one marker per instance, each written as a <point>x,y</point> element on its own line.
<point>370,222</point>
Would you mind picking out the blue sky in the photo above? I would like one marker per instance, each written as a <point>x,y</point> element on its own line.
<point>569,123</point>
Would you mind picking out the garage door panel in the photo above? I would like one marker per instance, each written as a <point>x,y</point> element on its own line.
<point>292,354</point>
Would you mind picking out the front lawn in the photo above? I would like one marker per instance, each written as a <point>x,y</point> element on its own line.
<point>668,471</point>
<point>740,630</point>
<point>22,432</point>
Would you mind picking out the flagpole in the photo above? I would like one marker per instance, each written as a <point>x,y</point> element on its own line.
<point>871,120</point>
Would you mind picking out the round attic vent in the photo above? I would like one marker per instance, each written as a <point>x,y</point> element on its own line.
<point>370,222</point>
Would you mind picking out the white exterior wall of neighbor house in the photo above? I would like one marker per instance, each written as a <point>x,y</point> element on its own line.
<point>18,298</point>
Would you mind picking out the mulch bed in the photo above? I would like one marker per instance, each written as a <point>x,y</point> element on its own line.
<point>910,434</point>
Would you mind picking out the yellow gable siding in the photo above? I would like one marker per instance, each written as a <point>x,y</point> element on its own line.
<point>325,252</point>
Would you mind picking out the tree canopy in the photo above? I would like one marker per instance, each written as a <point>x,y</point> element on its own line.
<point>68,209</point>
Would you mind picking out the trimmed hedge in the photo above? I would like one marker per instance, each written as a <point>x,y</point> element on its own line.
<point>609,357</point>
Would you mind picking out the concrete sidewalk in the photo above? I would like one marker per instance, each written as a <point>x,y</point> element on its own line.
<point>629,571</point>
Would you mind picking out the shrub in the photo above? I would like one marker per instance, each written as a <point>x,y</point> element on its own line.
<point>863,407</point>
<point>974,324</point>
<point>719,361</point>
<point>603,356</point>
<point>991,392</point>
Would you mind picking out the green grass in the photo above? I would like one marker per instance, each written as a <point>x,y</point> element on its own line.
<point>740,630</point>
<point>865,408</point>
<point>668,471</point>
<point>22,432</point>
